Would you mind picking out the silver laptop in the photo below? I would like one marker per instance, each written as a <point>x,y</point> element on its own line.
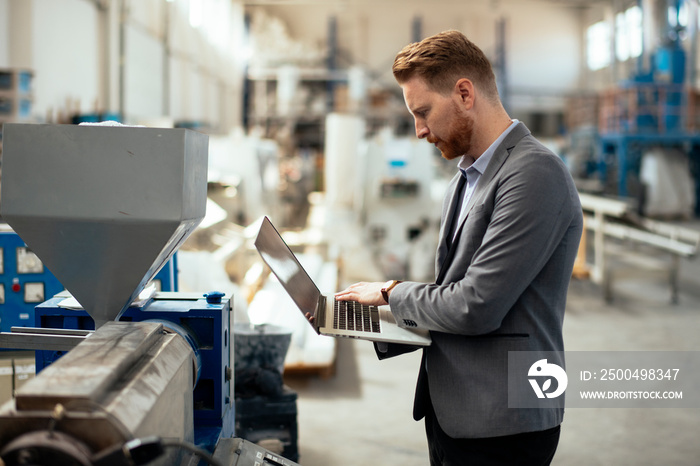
<point>333,318</point>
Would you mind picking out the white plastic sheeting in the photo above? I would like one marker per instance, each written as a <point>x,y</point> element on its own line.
<point>669,185</point>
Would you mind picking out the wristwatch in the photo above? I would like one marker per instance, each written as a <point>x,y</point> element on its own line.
<point>387,287</point>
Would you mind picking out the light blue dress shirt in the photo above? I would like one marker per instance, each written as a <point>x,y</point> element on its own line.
<point>473,169</point>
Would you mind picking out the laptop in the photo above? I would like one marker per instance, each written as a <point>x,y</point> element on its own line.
<point>333,318</point>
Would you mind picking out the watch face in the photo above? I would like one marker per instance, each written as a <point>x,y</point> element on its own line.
<point>388,287</point>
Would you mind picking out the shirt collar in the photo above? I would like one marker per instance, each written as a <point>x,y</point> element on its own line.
<point>468,163</point>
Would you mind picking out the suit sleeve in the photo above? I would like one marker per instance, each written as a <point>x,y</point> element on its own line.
<point>524,218</point>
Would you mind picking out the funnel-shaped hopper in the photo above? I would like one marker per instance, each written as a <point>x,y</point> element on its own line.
<point>103,207</point>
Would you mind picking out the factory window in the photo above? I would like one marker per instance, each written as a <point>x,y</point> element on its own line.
<point>598,45</point>
<point>678,17</point>
<point>628,33</point>
<point>196,14</point>
<point>213,18</point>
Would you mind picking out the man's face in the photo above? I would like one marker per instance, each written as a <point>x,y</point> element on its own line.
<point>439,118</point>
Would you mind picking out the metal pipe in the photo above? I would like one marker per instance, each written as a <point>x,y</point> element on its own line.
<point>332,60</point>
<point>52,331</point>
<point>693,38</point>
<point>41,339</point>
<point>123,13</point>
<point>501,25</point>
<point>102,7</point>
<point>640,58</point>
<point>166,58</point>
<point>417,29</point>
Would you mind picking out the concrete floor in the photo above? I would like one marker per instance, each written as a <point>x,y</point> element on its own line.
<point>362,415</point>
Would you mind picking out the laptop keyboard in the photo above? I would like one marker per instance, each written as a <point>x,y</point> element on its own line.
<point>351,315</point>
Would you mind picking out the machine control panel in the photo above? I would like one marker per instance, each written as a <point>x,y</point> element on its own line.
<point>24,282</point>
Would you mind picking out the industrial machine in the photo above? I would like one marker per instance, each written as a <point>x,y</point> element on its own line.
<point>104,208</point>
<point>239,452</point>
<point>655,110</point>
<point>25,282</point>
<point>401,215</point>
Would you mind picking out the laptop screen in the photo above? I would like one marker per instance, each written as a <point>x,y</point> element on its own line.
<point>287,268</point>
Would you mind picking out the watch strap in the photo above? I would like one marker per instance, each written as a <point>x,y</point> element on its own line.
<point>387,288</point>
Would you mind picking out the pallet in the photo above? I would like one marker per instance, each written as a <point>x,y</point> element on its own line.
<point>324,371</point>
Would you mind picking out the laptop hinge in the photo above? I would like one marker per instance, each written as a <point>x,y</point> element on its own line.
<point>321,313</point>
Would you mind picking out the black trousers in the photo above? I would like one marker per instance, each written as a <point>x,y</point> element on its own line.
<point>527,449</point>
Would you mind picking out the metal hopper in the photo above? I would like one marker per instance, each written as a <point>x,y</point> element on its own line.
<point>103,207</point>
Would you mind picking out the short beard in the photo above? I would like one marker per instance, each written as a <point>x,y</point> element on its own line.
<point>459,139</point>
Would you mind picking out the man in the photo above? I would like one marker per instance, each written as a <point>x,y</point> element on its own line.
<point>509,236</point>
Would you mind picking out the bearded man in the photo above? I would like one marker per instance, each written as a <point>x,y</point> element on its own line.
<point>510,231</point>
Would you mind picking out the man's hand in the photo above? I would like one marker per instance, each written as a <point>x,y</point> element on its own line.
<point>364,293</point>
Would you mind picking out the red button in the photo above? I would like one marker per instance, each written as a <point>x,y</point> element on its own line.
<point>16,287</point>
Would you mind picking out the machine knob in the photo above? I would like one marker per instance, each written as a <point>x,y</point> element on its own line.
<point>214,297</point>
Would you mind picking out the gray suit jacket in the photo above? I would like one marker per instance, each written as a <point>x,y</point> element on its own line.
<point>501,287</point>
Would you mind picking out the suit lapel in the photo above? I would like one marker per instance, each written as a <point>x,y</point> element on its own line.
<point>444,256</point>
<point>447,214</point>
<point>499,157</point>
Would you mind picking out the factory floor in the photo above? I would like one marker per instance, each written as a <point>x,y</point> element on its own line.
<point>362,414</point>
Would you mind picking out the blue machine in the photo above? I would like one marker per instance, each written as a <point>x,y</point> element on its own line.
<point>651,111</point>
<point>203,321</point>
